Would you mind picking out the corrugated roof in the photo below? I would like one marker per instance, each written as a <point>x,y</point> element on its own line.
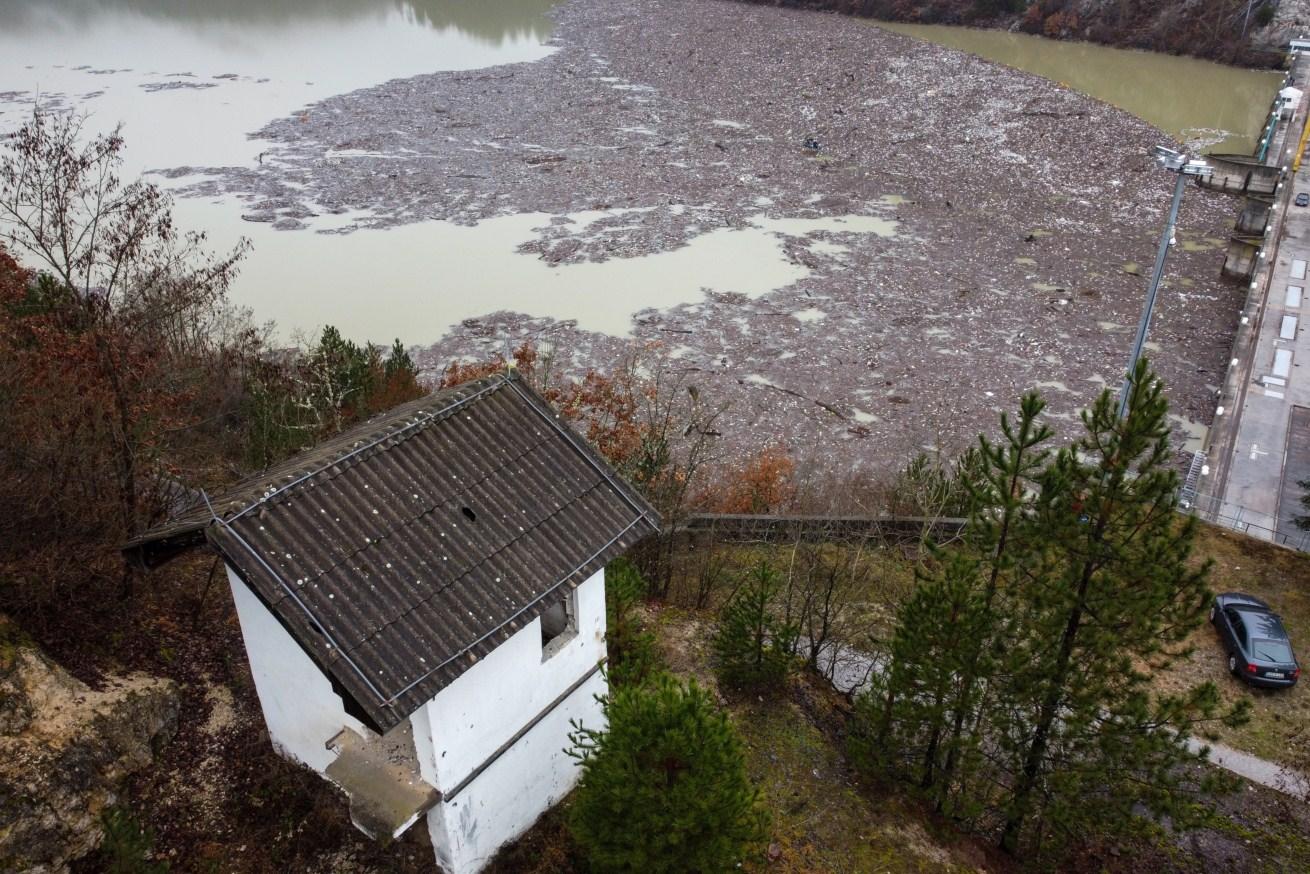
<point>402,551</point>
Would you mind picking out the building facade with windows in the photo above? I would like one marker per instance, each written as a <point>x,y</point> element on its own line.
<point>422,601</point>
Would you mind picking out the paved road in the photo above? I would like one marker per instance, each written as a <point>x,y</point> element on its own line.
<point>1266,454</point>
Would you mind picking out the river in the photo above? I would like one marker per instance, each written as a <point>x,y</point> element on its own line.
<point>833,226</point>
<point>189,81</point>
<point>1208,105</point>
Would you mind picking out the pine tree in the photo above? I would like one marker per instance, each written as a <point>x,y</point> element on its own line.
<point>902,719</point>
<point>944,647</point>
<point>399,361</point>
<point>998,541</point>
<point>753,648</point>
<point>664,788</point>
<point>633,658</point>
<point>1114,604</point>
<point>1017,687</point>
<point>1302,521</point>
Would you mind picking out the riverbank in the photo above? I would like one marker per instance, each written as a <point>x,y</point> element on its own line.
<point>1176,28</point>
<point>1002,219</point>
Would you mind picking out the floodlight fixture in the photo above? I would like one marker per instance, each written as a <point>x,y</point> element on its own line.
<point>1169,159</point>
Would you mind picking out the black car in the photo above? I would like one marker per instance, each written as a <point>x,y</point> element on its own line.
<point>1303,199</point>
<point>1259,650</point>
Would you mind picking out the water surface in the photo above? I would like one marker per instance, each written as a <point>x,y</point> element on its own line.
<point>190,79</point>
<point>426,276</point>
<point>1222,109</point>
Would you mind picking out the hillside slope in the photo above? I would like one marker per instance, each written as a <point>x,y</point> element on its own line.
<point>1218,30</point>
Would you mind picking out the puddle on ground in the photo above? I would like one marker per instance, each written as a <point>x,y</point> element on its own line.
<point>453,272</point>
<point>1027,262</point>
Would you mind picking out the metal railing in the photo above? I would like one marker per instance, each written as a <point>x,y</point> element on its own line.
<point>1250,522</point>
<point>768,527</point>
<point>894,528</point>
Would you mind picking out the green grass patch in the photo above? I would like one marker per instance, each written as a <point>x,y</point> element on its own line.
<point>823,819</point>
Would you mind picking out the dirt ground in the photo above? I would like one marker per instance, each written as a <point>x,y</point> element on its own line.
<point>1025,215</point>
<point>220,799</point>
<point>1279,729</point>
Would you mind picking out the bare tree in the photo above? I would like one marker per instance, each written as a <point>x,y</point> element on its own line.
<point>128,299</point>
<point>678,445</point>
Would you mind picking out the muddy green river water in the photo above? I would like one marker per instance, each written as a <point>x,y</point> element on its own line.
<point>1218,108</point>
<point>190,80</point>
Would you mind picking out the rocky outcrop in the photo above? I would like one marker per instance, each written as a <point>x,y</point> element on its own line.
<point>65,750</point>
<point>1291,20</point>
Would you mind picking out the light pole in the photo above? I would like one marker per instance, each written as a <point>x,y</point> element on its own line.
<point>1183,167</point>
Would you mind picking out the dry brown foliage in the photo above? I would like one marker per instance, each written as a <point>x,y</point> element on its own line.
<point>764,483</point>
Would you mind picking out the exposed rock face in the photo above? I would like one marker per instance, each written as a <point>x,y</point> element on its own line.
<point>1291,21</point>
<point>65,750</point>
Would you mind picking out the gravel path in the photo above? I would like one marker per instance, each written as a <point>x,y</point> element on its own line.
<point>851,670</point>
<point>1259,771</point>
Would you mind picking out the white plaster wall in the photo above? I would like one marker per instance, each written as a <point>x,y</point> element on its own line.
<point>506,798</point>
<point>457,730</point>
<point>300,708</point>
<point>496,697</point>
<point>474,716</point>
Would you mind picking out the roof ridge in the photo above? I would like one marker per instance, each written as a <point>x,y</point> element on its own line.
<point>425,418</point>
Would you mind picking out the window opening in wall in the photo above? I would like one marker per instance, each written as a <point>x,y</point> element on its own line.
<point>559,625</point>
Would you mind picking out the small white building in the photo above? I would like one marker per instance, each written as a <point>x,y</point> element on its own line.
<point>1289,99</point>
<point>422,600</point>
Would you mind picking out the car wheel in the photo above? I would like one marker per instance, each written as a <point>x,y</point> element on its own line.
<point>1232,664</point>
<point>1213,614</point>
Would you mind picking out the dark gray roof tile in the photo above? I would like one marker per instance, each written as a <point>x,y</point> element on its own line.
<point>363,548</point>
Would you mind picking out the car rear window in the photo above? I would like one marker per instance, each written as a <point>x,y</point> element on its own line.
<point>1271,650</point>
